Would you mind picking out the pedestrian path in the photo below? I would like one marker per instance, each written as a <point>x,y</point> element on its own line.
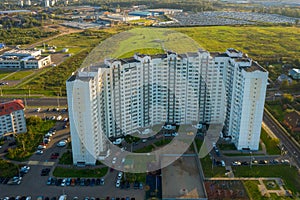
<point>46,163</point>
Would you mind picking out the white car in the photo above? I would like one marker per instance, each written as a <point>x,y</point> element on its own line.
<point>61,143</point>
<point>63,183</point>
<point>118,183</point>
<point>39,152</point>
<point>118,141</point>
<point>120,174</point>
<point>114,160</point>
<point>123,160</point>
<point>25,169</point>
<point>236,163</point>
<point>59,117</point>
<point>41,147</point>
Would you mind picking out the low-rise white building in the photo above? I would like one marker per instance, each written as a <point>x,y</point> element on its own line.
<point>12,119</point>
<point>24,59</point>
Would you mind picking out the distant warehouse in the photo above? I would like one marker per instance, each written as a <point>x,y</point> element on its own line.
<point>24,59</point>
<point>142,14</point>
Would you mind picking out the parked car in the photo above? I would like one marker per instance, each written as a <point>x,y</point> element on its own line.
<point>118,183</point>
<point>102,181</point>
<point>61,143</point>
<point>39,152</point>
<point>54,155</point>
<point>25,169</point>
<point>120,174</point>
<point>41,147</point>
<point>236,163</point>
<point>45,172</point>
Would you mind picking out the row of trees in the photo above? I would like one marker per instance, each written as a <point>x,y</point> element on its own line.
<point>28,142</point>
<point>18,36</point>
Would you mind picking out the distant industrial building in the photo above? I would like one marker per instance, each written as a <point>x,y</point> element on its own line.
<point>24,59</point>
<point>142,14</point>
<point>123,18</point>
<point>12,119</point>
<point>164,11</point>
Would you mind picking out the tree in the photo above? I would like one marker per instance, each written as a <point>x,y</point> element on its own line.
<point>287,98</point>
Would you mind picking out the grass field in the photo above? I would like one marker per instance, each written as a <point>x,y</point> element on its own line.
<point>262,43</point>
<point>211,171</point>
<point>66,158</point>
<point>289,174</point>
<point>8,169</point>
<point>19,75</point>
<point>84,173</point>
<point>271,144</point>
<point>258,42</point>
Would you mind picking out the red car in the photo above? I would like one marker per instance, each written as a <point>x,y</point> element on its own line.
<point>54,155</point>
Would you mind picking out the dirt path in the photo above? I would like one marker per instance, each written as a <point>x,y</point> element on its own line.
<point>63,31</point>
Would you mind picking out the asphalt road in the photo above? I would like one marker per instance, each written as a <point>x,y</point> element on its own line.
<point>289,145</point>
<point>41,102</point>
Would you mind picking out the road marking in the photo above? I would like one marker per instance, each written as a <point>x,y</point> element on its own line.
<point>33,162</point>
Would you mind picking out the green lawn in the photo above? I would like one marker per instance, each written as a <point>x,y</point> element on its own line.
<point>8,169</point>
<point>73,172</point>
<point>145,149</point>
<point>66,158</point>
<point>259,42</point>
<point>225,146</point>
<point>19,75</point>
<point>241,154</point>
<point>276,110</point>
<point>198,143</point>
<point>289,174</point>
<point>254,193</point>
<point>252,190</point>
<point>4,73</point>
<point>271,143</point>
<point>211,171</point>
<point>131,177</point>
<point>162,142</point>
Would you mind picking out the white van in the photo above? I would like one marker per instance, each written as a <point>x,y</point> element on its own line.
<point>63,197</point>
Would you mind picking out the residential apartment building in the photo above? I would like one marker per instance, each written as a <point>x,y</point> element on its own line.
<point>12,119</point>
<point>24,59</point>
<point>124,95</point>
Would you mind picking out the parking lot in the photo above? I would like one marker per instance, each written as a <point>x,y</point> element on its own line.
<point>34,185</point>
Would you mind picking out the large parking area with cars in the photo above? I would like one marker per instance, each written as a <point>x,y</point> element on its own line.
<point>39,183</point>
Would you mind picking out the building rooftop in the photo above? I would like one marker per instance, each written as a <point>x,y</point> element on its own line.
<point>11,106</point>
<point>182,180</point>
<point>254,67</point>
<point>218,54</point>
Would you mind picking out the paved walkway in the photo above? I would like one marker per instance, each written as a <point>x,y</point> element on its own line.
<point>262,187</point>
<point>267,129</point>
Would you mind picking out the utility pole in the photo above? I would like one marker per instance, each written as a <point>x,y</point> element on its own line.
<point>58,100</point>
<point>250,159</point>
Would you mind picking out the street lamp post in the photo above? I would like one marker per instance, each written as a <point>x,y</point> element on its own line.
<point>250,159</point>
